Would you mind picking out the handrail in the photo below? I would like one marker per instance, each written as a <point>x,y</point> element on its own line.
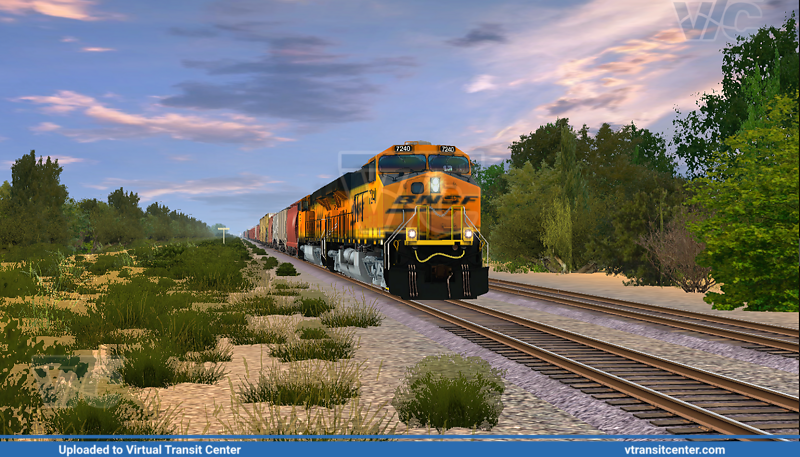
<point>475,230</point>
<point>388,242</point>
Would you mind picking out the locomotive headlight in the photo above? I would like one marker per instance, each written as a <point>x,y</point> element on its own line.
<point>467,234</point>
<point>411,234</point>
<point>435,185</point>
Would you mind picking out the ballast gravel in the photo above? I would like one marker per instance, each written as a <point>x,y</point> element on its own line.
<point>609,419</point>
<point>725,350</point>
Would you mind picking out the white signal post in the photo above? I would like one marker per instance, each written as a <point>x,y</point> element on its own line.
<point>223,233</point>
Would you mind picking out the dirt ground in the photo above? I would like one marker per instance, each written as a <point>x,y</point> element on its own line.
<point>613,287</point>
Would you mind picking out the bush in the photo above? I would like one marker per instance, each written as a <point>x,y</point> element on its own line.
<point>449,391</point>
<point>16,283</point>
<point>105,263</point>
<point>19,401</point>
<point>286,269</point>
<point>148,366</point>
<point>270,262</point>
<point>307,384</point>
<point>106,415</point>
<point>338,346</point>
<point>312,307</point>
<point>360,315</point>
<point>187,331</point>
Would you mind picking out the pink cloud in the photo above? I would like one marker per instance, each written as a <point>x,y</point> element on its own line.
<point>69,9</point>
<point>135,126</point>
<point>69,39</point>
<point>97,49</point>
<point>45,127</point>
<point>151,189</point>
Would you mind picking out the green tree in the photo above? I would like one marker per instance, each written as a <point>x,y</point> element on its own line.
<point>571,200</point>
<point>493,183</point>
<point>159,222</point>
<point>752,193</point>
<point>539,148</point>
<point>78,223</point>
<point>127,216</point>
<point>34,213</point>
<point>721,115</point>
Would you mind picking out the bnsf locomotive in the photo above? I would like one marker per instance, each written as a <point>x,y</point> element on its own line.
<point>408,222</point>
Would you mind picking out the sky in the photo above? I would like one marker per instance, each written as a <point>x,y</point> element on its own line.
<point>230,109</point>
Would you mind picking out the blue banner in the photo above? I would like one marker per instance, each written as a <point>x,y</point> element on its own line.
<point>436,447</point>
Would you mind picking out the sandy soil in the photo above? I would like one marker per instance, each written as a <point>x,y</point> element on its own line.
<point>612,287</point>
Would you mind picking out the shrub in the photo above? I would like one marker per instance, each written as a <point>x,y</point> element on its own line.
<point>286,269</point>
<point>312,333</point>
<point>359,315</point>
<point>134,304</point>
<point>270,262</point>
<point>105,263</point>
<point>307,384</point>
<point>187,331</point>
<point>19,400</point>
<point>312,307</point>
<point>449,391</point>
<point>109,414</point>
<point>124,274</point>
<point>263,306</point>
<point>16,283</point>
<point>147,366</point>
<point>340,345</point>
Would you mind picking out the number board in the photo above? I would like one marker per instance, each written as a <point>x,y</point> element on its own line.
<point>447,149</point>
<point>404,148</point>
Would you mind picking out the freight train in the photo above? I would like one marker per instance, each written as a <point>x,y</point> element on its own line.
<point>408,222</point>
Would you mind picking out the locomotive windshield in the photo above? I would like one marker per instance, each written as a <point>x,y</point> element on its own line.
<point>406,163</point>
<point>453,164</point>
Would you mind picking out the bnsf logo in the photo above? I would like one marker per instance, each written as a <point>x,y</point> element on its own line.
<point>427,199</point>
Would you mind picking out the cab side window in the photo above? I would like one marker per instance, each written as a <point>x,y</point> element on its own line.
<point>371,171</point>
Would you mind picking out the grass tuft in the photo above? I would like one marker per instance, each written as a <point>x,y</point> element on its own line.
<point>307,384</point>
<point>447,391</point>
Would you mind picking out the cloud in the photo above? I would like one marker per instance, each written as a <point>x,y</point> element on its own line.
<point>607,100</point>
<point>297,79</point>
<point>484,33</point>
<point>596,62</point>
<point>243,183</point>
<point>133,126</point>
<point>69,9</point>
<point>45,127</point>
<point>181,158</point>
<point>69,39</point>
<point>66,160</point>
<point>2,138</point>
<point>480,83</point>
<point>97,49</point>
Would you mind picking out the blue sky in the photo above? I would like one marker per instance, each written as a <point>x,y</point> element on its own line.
<point>229,109</point>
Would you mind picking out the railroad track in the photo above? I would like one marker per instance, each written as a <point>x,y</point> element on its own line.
<point>682,399</point>
<point>772,339</point>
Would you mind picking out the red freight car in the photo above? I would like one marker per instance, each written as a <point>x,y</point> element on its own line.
<point>291,228</point>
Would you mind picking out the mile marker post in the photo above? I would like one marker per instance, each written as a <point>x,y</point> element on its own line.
<point>223,233</point>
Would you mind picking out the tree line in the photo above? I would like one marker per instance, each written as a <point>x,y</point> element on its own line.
<point>35,208</point>
<point>569,200</point>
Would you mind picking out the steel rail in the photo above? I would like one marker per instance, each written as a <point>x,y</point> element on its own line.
<point>702,328</point>
<point>676,406</point>
<point>750,390</point>
<point>786,331</point>
<point>673,405</point>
